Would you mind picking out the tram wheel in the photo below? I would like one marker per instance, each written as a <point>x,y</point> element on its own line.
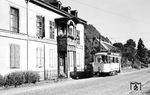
<point>98,74</point>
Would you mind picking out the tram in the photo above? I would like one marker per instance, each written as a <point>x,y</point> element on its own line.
<point>105,62</point>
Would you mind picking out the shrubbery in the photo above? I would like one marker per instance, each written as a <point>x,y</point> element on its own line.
<point>1,80</point>
<point>19,78</point>
<point>14,79</point>
<point>31,77</point>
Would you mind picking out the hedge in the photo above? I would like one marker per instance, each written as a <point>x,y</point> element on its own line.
<point>1,81</point>
<point>31,77</point>
<point>19,78</point>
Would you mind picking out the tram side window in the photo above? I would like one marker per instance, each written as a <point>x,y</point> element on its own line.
<point>109,59</point>
<point>117,60</point>
<point>103,58</point>
<point>113,60</point>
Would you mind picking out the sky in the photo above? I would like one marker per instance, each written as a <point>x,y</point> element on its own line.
<point>119,20</point>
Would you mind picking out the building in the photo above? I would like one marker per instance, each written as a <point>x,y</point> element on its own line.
<point>104,44</point>
<point>41,36</point>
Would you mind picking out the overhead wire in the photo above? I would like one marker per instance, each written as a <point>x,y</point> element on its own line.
<point>109,12</point>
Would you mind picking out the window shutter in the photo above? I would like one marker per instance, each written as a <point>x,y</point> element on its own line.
<point>17,56</point>
<point>51,58</point>
<point>43,27</point>
<point>12,57</point>
<point>42,57</point>
<point>37,57</point>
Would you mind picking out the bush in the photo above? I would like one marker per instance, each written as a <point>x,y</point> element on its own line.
<point>1,81</point>
<point>31,77</point>
<point>14,79</point>
<point>19,78</point>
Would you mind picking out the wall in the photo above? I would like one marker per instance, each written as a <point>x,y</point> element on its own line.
<point>80,48</point>
<point>7,37</point>
<point>5,54</point>
<point>5,14</point>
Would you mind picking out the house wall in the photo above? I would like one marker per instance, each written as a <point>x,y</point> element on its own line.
<point>50,45</point>
<point>5,43</point>
<point>80,48</point>
<point>28,42</point>
<point>35,10</point>
<point>5,14</point>
<point>7,38</point>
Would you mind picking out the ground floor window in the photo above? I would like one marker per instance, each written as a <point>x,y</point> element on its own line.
<point>14,56</point>
<point>39,57</point>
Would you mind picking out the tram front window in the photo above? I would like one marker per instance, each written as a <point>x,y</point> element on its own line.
<point>104,59</point>
<point>98,60</point>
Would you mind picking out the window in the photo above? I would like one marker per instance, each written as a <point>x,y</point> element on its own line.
<point>117,60</point>
<point>70,32</point>
<point>51,58</point>
<point>103,58</point>
<point>52,29</point>
<point>99,60</point>
<point>39,57</point>
<point>14,56</point>
<point>40,26</point>
<point>14,20</point>
<point>113,60</point>
<point>78,36</point>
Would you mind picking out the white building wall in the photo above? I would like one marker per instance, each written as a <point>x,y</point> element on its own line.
<point>5,14</point>
<point>5,54</point>
<point>7,37</point>
<point>80,48</point>
<point>51,64</point>
<point>35,10</point>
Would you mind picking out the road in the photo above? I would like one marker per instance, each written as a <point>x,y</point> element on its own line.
<point>108,85</point>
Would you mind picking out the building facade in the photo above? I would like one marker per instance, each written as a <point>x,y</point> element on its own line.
<point>42,36</point>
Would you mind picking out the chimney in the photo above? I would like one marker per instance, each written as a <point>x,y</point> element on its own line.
<point>74,13</point>
<point>67,9</point>
<point>57,4</point>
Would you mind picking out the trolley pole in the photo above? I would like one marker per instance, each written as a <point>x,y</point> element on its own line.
<point>99,42</point>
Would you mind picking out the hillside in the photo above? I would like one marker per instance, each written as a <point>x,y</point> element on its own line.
<point>90,33</point>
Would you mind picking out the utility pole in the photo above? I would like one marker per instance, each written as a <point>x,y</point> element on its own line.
<point>99,42</point>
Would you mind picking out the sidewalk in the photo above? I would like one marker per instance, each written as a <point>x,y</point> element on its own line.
<point>124,70</point>
<point>31,87</point>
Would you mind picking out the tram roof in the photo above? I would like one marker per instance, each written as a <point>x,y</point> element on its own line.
<point>108,53</point>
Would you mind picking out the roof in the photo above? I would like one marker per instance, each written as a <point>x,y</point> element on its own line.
<point>55,9</point>
<point>108,53</point>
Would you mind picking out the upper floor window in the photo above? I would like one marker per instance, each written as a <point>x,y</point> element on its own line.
<point>70,32</point>
<point>52,29</point>
<point>14,19</point>
<point>40,24</point>
<point>78,36</point>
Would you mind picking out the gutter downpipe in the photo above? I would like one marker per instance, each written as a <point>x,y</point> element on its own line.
<point>27,31</point>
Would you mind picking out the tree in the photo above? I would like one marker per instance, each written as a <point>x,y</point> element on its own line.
<point>119,46</point>
<point>148,52</point>
<point>142,54</point>
<point>129,50</point>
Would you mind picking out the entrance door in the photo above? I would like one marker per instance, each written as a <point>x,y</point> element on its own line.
<point>62,65</point>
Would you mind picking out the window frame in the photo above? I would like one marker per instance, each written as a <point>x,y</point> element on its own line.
<point>14,64</point>
<point>17,20</point>
<point>51,29</point>
<point>39,57</point>
<point>40,30</point>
